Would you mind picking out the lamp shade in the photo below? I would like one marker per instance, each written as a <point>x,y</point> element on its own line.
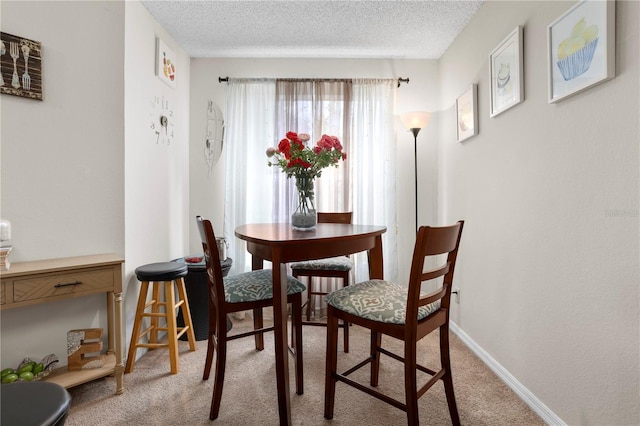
<point>415,119</point>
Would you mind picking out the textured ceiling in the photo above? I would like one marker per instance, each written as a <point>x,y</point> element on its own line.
<point>421,29</point>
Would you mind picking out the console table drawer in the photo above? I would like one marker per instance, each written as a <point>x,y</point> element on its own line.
<point>71,283</point>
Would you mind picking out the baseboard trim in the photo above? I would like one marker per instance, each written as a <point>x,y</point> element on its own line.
<point>548,416</point>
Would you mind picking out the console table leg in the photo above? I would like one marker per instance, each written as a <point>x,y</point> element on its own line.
<point>119,367</point>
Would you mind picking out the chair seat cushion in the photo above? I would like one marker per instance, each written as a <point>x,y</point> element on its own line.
<point>377,300</point>
<point>340,263</point>
<point>255,285</point>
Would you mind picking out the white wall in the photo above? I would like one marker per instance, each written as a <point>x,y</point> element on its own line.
<point>62,160</point>
<point>156,173</point>
<point>549,264</point>
<point>81,173</point>
<point>421,93</point>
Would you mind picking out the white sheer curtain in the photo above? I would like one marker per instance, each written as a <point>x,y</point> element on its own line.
<point>248,184</point>
<point>373,159</point>
<point>359,112</point>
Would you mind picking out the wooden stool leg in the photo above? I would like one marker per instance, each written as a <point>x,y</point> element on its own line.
<point>155,308</point>
<point>137,325</point>
<point>172,327</point>
<point>186,313</point>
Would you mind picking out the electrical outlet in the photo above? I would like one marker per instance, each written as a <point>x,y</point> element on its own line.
<point>456,291</point>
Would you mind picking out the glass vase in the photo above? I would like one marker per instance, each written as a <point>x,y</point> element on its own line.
<point>305,217</point>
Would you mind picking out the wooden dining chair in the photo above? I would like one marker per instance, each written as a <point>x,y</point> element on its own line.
<point>404,313</point>
<point>246,291</point>
<point>334,267</point>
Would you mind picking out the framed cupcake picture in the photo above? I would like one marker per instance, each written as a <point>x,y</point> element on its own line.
<point>506,68</point>
<point>581,48</point>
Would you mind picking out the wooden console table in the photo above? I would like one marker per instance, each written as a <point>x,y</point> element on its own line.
<point>44,281</point>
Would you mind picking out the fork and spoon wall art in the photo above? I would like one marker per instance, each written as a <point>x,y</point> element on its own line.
<point>20,66</point>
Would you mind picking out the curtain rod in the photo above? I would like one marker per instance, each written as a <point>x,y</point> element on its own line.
<point>400,79</point>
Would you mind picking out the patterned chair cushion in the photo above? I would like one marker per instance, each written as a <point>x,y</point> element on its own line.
<point>340,263</point>
<point>255,285</point>
<point>377,300</point>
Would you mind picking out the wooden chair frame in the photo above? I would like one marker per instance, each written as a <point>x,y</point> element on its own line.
<point>218,310</point>
<point>325,217</point>
<point>430,241</point>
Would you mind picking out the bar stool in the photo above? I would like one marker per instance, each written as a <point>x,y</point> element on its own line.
<point>156,274</point>
<point>34,403</point>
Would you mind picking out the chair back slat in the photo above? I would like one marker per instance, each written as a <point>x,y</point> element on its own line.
<point>432,297</point>
<point>335,217</point>
<point>435,273</point>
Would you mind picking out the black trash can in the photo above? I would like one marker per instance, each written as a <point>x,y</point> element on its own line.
<point>198,295</point>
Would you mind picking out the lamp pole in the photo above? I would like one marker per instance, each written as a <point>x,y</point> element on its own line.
<point>414,121</point>
<point>415,131</point>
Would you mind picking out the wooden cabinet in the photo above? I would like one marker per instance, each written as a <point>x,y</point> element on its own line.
<point>31,283</point>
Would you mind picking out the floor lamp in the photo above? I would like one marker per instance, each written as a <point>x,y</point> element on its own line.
<point>413,122</point>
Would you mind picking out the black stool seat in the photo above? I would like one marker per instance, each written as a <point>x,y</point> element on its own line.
<point>34,403</point>
<point>162,271</point>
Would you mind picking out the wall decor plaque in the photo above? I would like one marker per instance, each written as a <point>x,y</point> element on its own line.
<point>20,66</point>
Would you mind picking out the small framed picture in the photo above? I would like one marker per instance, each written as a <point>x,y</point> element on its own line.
<point>467,114</point>
<point>20,67</point>
<point>506,68</point>
<point>581,48</point>
<point>165,63</point>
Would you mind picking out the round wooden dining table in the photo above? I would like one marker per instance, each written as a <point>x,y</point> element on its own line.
<point>279,244</point>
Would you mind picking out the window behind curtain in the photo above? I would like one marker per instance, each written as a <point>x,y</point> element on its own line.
<point>316,108</point>
<point>361,113</point>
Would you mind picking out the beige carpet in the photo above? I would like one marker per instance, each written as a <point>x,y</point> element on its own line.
<point>154,397</point>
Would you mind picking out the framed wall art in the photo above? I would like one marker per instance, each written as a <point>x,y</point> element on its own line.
<point>165,63</point>
<point>506,68</point>
<point>467,114</point>
<point>20,67</point>
<point>581,48</point>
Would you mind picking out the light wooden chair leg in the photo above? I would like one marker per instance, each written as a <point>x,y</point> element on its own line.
<point>155,309</point>
<point>137,325</point>
<point>172,327</point>
<point>186,313</point>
